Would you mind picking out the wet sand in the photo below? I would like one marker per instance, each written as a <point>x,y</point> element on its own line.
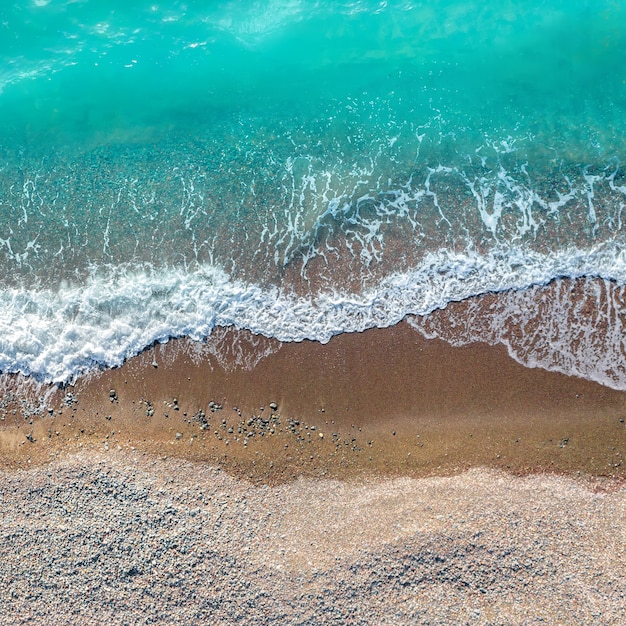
<point>383,402</point>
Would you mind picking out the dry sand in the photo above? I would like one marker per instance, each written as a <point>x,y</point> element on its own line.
<point>120,538</point>
<point>397,480</point>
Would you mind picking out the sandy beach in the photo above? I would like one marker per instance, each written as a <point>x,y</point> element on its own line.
<point>312,313</point>
<point>382,478</point>
<point>383,402</point>
<point>118,538</point>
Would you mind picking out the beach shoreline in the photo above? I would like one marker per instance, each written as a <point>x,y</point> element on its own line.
<point>383,402</point>
<point>382,478</point>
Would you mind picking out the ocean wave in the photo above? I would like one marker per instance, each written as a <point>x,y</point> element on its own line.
<point>56,336</point>
<point>572,327</point>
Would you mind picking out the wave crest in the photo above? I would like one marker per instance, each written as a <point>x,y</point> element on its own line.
<point>59,335</point>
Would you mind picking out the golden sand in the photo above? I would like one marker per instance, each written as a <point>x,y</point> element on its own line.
<point>382,402</point>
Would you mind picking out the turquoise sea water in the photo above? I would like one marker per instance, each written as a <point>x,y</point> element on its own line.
<point>299,169</point>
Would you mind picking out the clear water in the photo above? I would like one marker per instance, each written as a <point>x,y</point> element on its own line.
<point>300,169</point>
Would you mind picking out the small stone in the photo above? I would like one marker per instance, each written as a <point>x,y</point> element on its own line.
<point>273,406</point>
<point>179,435</point>
<point>321,435</point>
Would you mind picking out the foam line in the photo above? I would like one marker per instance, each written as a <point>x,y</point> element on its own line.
<point>59,335</point>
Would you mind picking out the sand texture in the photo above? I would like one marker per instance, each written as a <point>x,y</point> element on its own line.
<point>122,539</point>
<point>383,478</point>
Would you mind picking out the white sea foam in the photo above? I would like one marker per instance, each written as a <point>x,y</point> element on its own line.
<point>57,336</point>
<point>576,328</point>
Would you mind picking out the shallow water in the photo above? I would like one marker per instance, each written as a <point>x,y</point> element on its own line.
<point>300,169</point>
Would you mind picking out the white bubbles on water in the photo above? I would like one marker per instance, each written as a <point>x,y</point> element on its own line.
<point>574,327</point>
<point>59,335</point>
